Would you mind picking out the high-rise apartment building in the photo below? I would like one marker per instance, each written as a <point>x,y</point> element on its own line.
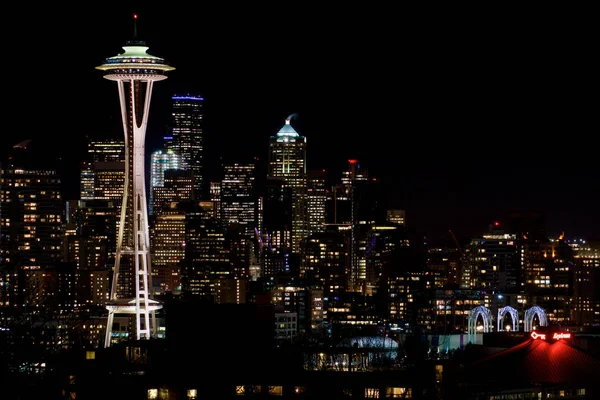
<point>187,137</point>
<point>586,270</point>
<point>287,161</point>
<point>30,224</point>
<point>492,263</point>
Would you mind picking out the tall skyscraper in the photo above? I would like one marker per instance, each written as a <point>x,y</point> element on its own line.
<point>161,161</point>
<point>135,72</point>
<point>316,201</point>
<point>355,201</point>
<point>238,197</point>
<point>187,136</point>
<point>287,161</point>
<point>168,249</point>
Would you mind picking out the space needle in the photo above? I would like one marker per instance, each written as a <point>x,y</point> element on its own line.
<point>135,72</point>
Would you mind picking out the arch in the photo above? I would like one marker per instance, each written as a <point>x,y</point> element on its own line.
<point>530,313</point>
<point>513,314</point>
<point>474,314</point>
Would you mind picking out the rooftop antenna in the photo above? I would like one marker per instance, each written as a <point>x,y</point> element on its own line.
<point>135,25</point>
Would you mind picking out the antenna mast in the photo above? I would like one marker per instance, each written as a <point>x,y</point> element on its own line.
<point>135,25</point>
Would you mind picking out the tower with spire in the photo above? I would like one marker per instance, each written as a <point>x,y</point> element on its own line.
<point>135,71</point>
<point>287,161</point>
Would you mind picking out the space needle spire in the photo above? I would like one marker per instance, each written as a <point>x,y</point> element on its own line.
<point>134,71</point>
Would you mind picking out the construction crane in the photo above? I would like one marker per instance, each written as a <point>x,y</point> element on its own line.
<point>455,241</point>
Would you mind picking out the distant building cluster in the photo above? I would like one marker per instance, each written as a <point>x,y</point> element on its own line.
<point>329,255</point>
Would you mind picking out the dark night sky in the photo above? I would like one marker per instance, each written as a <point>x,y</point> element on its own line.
<point>465,115</point>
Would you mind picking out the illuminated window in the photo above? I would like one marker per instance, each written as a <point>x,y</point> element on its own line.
<point>90,355</point>
<point>152,394</point>
<point>299,389</point>
<point>439,372</point>
<point>276,390</point>
<point>398,393</point>
<point>192,394</point>
<point>239,390</point>
<point>371,393</point>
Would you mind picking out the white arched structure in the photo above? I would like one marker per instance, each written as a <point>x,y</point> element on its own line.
<point>513,314</point>
<point>530,313</point>
<point>474,314</point>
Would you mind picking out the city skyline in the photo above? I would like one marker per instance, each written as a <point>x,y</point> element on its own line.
<point>345,203</point>
<point>464,128</point>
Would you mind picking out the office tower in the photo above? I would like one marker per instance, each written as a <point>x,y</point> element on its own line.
<point>238,197</point>
<point>30,224</point>
<point>240,248</point>
<point>95,222</point>
<point>341,208</point>
<point>355,201</point>
<point>135,72</point>
<point>168,249</point>
<point>91,245</point>
<point>316,201</point>
<point>177,186</point>
<point>187,137</point>
<point>324,261</point>
<point>276,230</point>
<point>207,259</point>
<point>231,291</point>
<point>444,263</point>
<point>379,243</point>
<point>215,199</point>
<point>103,171</point>
<point>396,216</point>
<point>304,305</point>
<point>287,161</point>
<point>161,161</point>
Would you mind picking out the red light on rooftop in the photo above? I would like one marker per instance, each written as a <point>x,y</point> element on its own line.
<point>353,161</point>
<point>496,223</point>
<point>134,16</point>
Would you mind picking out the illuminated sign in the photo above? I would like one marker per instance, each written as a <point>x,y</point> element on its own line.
<point>535,335</point>
<point>555,336</point>
<point>561,335</point>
